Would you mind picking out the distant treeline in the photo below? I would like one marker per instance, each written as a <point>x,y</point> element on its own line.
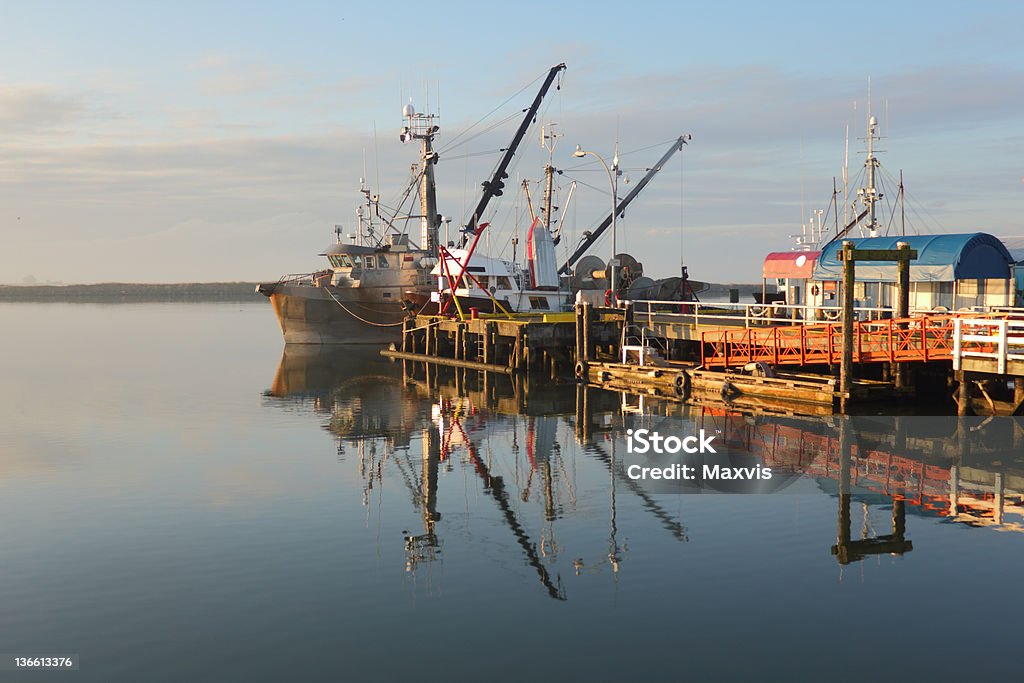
<point>120,292</point>
<point>126,292</point>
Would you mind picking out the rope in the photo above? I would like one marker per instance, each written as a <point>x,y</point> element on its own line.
<point>363,320</point>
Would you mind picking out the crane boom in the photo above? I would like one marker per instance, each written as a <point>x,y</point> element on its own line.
<point>677,145</point>
<point>493,187</point>
<point>846,230</point>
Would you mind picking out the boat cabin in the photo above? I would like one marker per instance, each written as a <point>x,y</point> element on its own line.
<point>354,262</point>
<point>488,279</point>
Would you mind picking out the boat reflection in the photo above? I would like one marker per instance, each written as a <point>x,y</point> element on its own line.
<point>541,453</point>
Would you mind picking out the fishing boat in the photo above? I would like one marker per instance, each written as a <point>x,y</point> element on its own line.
<point>358,299</point>
<point>372,280</point>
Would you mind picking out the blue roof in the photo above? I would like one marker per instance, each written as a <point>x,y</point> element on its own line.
<point>940,258</point>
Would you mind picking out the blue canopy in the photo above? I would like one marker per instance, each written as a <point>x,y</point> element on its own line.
<point>940,258</point>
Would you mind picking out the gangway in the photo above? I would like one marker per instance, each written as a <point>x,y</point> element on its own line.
<point>993,343</point>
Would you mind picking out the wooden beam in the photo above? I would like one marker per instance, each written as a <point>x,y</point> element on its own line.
<point>878,254</point>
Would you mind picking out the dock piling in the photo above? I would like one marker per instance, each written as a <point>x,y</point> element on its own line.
<point>846,364</point>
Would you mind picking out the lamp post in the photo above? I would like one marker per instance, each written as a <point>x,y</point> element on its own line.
<point>613,181</point>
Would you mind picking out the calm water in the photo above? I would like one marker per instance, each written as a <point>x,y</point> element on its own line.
<point>180,501</point>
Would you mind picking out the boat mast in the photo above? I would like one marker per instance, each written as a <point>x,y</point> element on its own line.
<point>421,127</point>
<point>549,171</point>
<point>869,195</point>
<point>548,140</point>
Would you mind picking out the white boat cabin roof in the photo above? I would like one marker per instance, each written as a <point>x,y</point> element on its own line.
<point>479,265</point>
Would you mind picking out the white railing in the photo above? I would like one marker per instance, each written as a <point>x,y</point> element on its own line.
<point>752,314</point>
<point>1001,340</point>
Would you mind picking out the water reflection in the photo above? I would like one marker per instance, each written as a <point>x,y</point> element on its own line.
<point>547,457</point>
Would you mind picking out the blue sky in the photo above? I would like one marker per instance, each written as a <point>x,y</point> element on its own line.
<point>223,141</point>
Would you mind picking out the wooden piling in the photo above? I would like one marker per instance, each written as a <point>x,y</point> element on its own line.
<point>846,366</point>
<point>488,333</point>
<point>517,352</point>
<point>963,397</point>
<point>588,352</point>
<point>902,370</point>
<point>579,356</point>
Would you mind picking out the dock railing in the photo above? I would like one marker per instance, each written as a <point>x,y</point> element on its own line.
<point>767,315</point>
<point>751,315</point>
<point>1000,340</point>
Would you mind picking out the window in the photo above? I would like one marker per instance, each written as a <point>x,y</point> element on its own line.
<point>369,262</point>
<point>344,261</point>
<point>504,283</point>
<point>968,287</point>
<point>382,261</point>
<point>539,303</point>
<point>357,261</point>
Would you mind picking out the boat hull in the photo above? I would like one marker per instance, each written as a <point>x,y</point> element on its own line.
<point>330,315</point>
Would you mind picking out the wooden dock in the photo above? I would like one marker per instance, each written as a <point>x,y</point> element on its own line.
<point>742,362</point>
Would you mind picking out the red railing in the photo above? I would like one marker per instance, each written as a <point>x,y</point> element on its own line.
<point>921,338</point>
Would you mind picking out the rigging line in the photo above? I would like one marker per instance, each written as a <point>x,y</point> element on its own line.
<point>445,150</point>
<point>376,156</point>
<point>362,320</point>
<point>605,192</point>
<point>913,200</point>
<point>485,116</point>
<point>512,168</point>
<point>401,199</point>
<point>681,259</point>
<point>486,152</point>
<point>659,145</point>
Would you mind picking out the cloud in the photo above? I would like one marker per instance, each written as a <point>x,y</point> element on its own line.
<point>250,192</point>
<point>37,109</point>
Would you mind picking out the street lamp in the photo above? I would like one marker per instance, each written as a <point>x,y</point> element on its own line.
<point>613,180</point>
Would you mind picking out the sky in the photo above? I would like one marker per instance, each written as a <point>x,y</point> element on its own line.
<point>223,141</point>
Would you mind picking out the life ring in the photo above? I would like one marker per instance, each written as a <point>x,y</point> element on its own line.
<point>814,290</point>
<point>682,385</point>
<point>581,369</point>
<point>608,297</point>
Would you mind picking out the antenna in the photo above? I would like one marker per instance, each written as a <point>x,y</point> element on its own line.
<point>803,208</point>
<point>846,178</point>
<point>886,117</point>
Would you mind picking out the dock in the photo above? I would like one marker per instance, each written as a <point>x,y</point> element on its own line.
<point>759,356</point>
